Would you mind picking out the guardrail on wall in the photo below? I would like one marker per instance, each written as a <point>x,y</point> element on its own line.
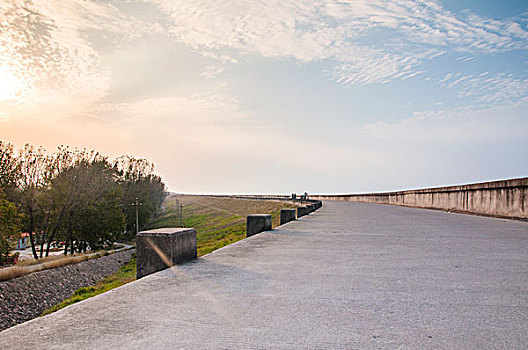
<point>505,198</point>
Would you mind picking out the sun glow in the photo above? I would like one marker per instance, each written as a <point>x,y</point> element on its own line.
<point>10,85</point>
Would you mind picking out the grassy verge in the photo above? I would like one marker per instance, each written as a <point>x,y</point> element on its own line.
<point>126,274</point>
<point>218,221</point>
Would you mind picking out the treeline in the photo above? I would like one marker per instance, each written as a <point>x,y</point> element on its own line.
<point>76,196</point>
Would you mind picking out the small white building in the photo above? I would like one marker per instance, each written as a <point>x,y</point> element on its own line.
<point>22,241</point>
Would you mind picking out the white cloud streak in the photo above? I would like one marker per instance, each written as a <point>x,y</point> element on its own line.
<point>486,90</point>
<point>339,31</point>
<point>211,72</point>
<point>196,110</point>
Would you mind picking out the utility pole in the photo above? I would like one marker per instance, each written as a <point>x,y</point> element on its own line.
<point>137,204</point>
<point>181,214</point>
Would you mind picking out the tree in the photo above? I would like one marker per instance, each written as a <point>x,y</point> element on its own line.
<point>33,174</point>
<point>138,180</point>
<point>9,227</point>
<point>8,170</point>
<point>78,195</point>
<point>96,217</point>
<point>103,221</point>
<point>83,182</point>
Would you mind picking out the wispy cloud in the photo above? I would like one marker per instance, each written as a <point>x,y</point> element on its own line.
<point>46,45</point>
<point>194,110</point>
<point>488,90</point>
<point>211,71</point>
<point>340,31</point>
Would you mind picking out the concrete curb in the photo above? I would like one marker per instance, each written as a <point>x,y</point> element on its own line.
<point>287,215</point>
<point>257,223</point>
<point>162,248</point>
<point>302,211</point>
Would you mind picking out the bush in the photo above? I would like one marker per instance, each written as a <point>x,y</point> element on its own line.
<point>9,228</point>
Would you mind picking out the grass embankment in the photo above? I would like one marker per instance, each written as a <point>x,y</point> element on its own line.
<point>218,222</point>
<point>127,273</point>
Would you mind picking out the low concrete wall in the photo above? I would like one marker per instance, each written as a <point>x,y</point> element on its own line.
<point>257,223</point>
<point>287,215</point>
<point>506,198</point>
<point>162,248</point>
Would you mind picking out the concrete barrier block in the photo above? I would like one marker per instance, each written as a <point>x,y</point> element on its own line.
<point>287,215</point>
<point>257,223</point>
<point>162,248</point>
<point>301,211</point>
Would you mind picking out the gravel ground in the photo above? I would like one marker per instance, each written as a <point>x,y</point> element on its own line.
<point>26,297</point>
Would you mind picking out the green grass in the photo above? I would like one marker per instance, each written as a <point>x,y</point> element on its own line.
<point>126,274</point>
<point>211,240</point>
<point>168,218</point>
<point>218,221</point>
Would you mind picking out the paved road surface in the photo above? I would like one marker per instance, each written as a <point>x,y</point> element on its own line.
<point>349,276</point>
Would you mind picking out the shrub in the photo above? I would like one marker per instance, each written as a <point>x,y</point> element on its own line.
<point>9,228</point>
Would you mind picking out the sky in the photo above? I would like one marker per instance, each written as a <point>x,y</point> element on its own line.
<point>248,96</point>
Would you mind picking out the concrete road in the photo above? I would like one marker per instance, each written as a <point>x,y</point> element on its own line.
<point>349,276</point>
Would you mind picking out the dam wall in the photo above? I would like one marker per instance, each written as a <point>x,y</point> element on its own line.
<point>504,198</point>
